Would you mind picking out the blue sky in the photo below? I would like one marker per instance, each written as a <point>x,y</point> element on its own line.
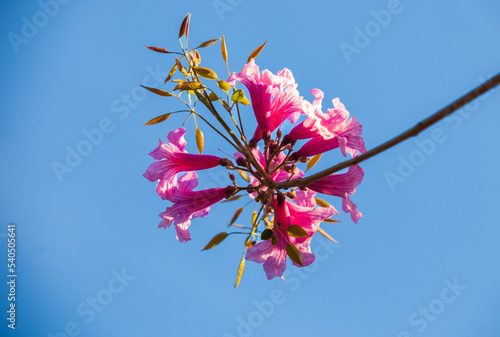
<point>423,260</point>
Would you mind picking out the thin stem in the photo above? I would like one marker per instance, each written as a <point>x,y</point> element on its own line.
<point>414,131</point>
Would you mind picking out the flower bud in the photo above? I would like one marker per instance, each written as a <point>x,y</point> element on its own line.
<point>225,162</point>
<point>304,160</point>
<point>294,156</point>
<point>230,190</point>
<point>286,140</point>
<point>241,162</point>
<point>231,176</point>
<point>279,133</point>
<point>252,143</point>
<point>291,194</point>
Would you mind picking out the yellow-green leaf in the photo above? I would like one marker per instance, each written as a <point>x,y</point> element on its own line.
<point>241,268</point>
<point>205,72</point>
<point>223,85</point>
<point>182,29</point>
<point>245,101</point>
<point>322,203</point>
<point>331,221</point>
<point>325,234</point>
<point>158,91</point>
<point>266,234</point>
<point>256,52</point>
<point>171,73</point>
<point>207,43</point>
<point>296,231</point>
<point>157,49</point>
<point>254,217</point>
<point>236,215</point>
<point>200,140</point>
<point>192,85</point>
<point>313,161</point>
<point>238,96</point>
<point>213,97</point>
<point>158,119</point>
<point>223,48</point>
<point>216,240</point>
<point>236,197</point>
<point>244,175</point>
<point>294,254</point>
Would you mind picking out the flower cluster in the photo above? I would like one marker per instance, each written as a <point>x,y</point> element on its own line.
<point>287,212</point>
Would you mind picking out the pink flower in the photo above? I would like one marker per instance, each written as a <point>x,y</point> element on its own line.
<point>189,204</point>
<point>328,131</point>
<point>274,97</point>
<point>175,160</point>
<point>274,256</point>
<point>341,185</point>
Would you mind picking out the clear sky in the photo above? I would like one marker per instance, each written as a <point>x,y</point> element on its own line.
<point>423,260</point>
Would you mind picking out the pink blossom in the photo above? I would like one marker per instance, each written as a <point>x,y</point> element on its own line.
<point>175,160</point>
<point>274,97</point>
<point>341,185</point>
<point>328,131</point>
<point>274,256</point>
<point>189,204</point>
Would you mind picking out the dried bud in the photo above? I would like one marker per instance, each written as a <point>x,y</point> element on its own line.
<point>225,162</point>
<point>279,133</point>
<point>241,162</point>
<point>288,168</point>
<point>252,143</point>
<point>304,160</point>
<point>231,176</point>
<point>291,194</point>
<point>272,147</point>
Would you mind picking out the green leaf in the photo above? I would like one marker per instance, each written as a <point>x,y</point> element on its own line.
<point>207,43</point>
<point>205,72</point>
<point>238,96</point>
<point>158,119</point>
<point>267,234</point>
<point>256,52</point>
<point>213,97</point>
<point>158,91</point>
<point>294,254</point>
<point>216,240</point>
<point>313,161</point>
<point>296,231</point>
<point>241,268</point>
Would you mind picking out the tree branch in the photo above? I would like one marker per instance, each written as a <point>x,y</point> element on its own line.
<point>414,131</point>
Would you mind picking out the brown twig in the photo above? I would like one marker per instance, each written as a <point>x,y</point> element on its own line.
<point>414,131</point>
